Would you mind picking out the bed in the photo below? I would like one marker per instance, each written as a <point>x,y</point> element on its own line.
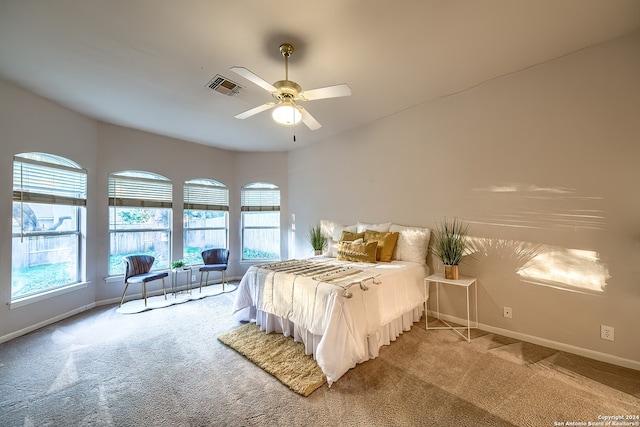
<point>341,308</point>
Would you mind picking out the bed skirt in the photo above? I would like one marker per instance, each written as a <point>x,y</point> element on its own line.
<point>383,336</point>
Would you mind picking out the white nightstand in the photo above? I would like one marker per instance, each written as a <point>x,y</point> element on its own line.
<point>465,282</point>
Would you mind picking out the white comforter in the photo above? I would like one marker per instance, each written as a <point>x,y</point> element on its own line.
<point>340,331</point>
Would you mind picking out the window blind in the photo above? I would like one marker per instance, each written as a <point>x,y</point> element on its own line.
<point>206,195</point>
<point>260,199</point>
<point>36,181</point>
<point>140,189</point>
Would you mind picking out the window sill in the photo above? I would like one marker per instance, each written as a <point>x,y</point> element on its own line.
<point>114,279</point>
<point>20,302</point>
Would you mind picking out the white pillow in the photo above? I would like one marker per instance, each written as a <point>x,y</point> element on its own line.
<point>413,243</point>
<point>382,227</point>
<point>326,227</point>
<point>338,229</point>
<point>332,231</point>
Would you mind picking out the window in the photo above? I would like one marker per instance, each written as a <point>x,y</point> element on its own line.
<point>260,221</point>
<point>49,202</point>
<point>139,218</point>
<point>206,208</point>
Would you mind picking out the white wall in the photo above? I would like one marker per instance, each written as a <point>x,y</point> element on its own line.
<point>563,137</point>
<point>31,123</point>
<point>263,167</point>
<point>122,149</point>
<point>125,149</point>
<point>540,163</point>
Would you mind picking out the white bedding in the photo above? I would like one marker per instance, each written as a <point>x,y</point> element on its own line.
<point>312,305</point>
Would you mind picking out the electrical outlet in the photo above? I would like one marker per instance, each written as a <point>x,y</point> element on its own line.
<point>606,332</point>
<point>193,277</point>
<point>507,312</point>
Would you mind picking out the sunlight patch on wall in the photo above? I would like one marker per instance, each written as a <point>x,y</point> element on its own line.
<point>530,206</point>
<point>524,188</point>
<point>573,270</point>
<point>292,239</point>
<point>568,269</point>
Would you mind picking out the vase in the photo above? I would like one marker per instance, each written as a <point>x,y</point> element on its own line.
<point>451,272</point>
<point>318,252</point>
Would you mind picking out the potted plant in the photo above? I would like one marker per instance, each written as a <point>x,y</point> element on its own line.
<point>178,264</point>
<point>317,239</point>
<point>450,245</point>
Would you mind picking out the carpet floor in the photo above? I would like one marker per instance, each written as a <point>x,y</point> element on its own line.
<point>167,368</point>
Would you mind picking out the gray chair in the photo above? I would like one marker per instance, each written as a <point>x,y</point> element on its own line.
<point>137,270</point>
<point>214,260</point>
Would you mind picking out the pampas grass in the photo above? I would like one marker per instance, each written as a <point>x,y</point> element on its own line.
<point>316,238</point>
<point>450,241</point>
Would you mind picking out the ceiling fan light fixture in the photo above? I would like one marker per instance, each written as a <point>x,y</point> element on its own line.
<point>287,93</point>
<point>286,114</point>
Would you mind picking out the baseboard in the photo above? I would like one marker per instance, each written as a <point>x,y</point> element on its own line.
<point>44,323</point>
<point>591,354</point>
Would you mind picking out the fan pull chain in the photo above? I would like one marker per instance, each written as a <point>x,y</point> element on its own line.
<point>293,112</point>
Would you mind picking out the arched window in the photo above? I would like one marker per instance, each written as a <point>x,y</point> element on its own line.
<point>49,202</point>
<point>260,206</point>
<point>205,218</point>
<point>140,207</point>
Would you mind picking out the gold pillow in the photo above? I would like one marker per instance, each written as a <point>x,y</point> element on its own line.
<point>357,252</point>
<point>386,243</point>
<point>348,236</point>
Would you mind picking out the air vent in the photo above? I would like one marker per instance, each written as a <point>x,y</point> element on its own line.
<point>224,85</point>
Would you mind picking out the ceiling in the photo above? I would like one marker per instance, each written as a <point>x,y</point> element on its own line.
<point>145,64</point>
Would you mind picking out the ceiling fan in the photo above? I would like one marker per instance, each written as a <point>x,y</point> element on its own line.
<point>287,93</point>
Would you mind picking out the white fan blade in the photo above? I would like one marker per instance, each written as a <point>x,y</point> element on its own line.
<point>308,119</point>
<point>254,78</point>
<point>255,110</point>
<point>326,92</point>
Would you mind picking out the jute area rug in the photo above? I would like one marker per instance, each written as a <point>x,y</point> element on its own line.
<point>278,355</point>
